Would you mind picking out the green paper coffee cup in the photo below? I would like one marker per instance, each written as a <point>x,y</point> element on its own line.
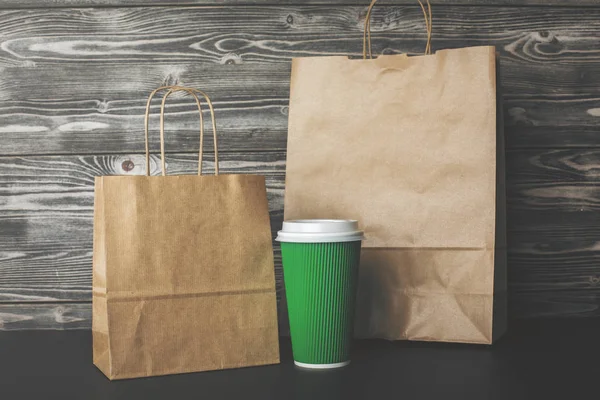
<point>320,271</point>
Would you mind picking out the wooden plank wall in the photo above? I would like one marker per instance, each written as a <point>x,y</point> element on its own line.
<point>73,84</point>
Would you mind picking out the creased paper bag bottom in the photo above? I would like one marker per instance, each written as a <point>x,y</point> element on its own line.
<point>216,332</point>
<point>426,294</point>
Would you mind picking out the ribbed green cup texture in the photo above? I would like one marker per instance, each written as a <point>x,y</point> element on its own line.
<point>320,283</point>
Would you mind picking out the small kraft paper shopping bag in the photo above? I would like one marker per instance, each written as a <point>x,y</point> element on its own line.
<point>412,147</point>
<point>183,276</point>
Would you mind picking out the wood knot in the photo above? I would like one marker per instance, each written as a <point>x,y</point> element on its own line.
<point>594,280</point>
<point>127,165</point>
<point>290,19</point>
<point>103,106</point>
<point>547,37</point>
<point>231,58</point>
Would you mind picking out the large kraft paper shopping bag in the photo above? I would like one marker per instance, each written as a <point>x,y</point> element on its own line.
<point>412,147</point>
<point>183,275</point>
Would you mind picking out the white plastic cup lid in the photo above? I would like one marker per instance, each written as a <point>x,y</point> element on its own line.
<point>320,231</point>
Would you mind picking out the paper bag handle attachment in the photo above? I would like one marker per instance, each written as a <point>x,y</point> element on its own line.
<point>194,93</point>
<point>367,32</point>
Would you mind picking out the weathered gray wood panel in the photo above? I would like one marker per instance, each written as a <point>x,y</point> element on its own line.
<point>557,165</point>
<point>45,316</point>
<point>554,231</point>
<point>100,109</point>
<point>16,4</point>
<point>73,84</point>
<point>275,34</point>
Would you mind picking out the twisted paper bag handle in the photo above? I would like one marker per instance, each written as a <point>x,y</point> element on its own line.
<point>194,93</point>
<point>367,31</point>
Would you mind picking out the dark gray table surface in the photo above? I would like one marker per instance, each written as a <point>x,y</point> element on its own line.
<point>537,359</point>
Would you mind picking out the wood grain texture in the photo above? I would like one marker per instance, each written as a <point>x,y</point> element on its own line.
<point>45,316</point>
<point>566,179</point>
<point>17,4</point>
<point>73,84</point>
<point>98,109</point>
<point>46,209</point>
<point>275,34</point>
<point>75,81</point>
<point>554,231</point>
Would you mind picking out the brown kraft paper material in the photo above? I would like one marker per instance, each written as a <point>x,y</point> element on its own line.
<point>412,147</point>
<point>183,276</point>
